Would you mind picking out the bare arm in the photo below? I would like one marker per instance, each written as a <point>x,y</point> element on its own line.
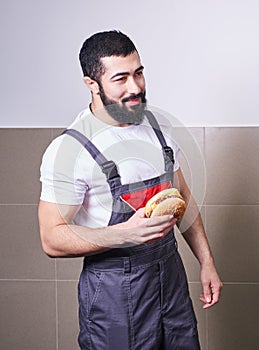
<point>193,232</point>
<point>60,237</point>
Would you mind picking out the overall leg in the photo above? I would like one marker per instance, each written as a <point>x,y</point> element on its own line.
<point>146,297</point>
<point>120,311</point>
<point>179,321</point>
<point>103,311</point>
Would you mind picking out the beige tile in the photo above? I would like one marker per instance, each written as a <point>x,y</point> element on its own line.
<point>233,233</point>
<point>20,158</point>
<point>67,316</point>
<point>69,268</point>
<point>21,255</point>
<point>28,315</point>
<point>232,165</point>
<point>201,315</point>
<point>233,323</point>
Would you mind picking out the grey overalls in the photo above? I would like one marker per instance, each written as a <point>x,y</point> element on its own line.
<point>135,298</point>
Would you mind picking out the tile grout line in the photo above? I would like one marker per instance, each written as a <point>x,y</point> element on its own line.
<point>205,164</point>
<point>229,283</point>
<point>21,204</point>
<point>207,328</point>
<point>56,302</point>
<point>35,280</point>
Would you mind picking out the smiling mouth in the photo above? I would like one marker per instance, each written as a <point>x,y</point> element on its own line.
<point>133,99</point>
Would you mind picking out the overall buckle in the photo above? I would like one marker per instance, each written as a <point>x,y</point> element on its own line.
<point>168,153</point>
<point>109,169</point>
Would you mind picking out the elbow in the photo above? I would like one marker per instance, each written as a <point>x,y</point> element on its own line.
<point>48,250</point>
<point>47,246</point>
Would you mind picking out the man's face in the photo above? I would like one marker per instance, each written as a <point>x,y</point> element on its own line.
<point>122,88</point>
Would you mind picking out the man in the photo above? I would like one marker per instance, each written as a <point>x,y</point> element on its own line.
<point>96,179</point>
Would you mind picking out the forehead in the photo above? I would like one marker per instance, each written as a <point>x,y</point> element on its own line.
<point>117,64</point>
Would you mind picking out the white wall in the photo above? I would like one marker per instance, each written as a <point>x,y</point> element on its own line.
<point>201,58</point>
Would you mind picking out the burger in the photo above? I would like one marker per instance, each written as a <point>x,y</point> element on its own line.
<point>168,201</point>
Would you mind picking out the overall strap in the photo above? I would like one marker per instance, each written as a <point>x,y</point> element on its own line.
<point>167,151</point>
<point>108,166</point>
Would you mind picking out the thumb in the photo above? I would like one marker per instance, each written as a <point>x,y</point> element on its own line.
<point>141,212</point>
<point>207,293</point>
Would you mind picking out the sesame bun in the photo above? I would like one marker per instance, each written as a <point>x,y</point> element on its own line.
<point>168,201</point>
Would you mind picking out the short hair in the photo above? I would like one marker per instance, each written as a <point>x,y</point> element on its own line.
<point>103,44</point>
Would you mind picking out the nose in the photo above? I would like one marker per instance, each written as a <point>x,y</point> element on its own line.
<point>133,86</point>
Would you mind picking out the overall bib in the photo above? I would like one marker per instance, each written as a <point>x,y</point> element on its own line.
<point>135,298</point>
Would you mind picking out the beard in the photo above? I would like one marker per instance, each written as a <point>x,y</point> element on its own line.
<point>120,112</point>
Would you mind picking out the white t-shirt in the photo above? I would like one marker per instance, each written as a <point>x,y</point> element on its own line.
<point>70,175</point>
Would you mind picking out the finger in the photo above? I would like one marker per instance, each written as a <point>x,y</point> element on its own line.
<point>202,298</point>
<point>141,212</point>
<point>163,219</point>
<point>215,295</point>
<point>214,300</point>
<point>206,305</point>
<point>207,293</point>
<point>152,238</point>
<point>156,232</point>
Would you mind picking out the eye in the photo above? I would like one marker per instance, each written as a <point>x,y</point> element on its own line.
<point>121,79</point>
<point>139,73</point>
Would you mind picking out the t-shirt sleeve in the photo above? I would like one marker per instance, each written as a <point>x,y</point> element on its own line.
<point>60,177</point>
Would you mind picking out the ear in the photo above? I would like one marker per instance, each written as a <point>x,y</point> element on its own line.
<point>92,85</point>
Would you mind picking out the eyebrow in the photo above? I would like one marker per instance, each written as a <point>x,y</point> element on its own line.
<point>126,73</point>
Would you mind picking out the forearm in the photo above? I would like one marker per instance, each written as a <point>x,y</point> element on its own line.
<point>71,241</point>
<point>195,236</point>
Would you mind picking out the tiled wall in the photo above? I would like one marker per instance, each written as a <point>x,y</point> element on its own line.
<point>38,295</point>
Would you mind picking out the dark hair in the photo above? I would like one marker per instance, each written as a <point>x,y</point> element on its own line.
<point>103,44</point>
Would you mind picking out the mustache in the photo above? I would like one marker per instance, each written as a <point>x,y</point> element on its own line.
<point>133,97</point>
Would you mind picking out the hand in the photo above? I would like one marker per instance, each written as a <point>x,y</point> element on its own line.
<point>139,229</point>
<point>212,285</point>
